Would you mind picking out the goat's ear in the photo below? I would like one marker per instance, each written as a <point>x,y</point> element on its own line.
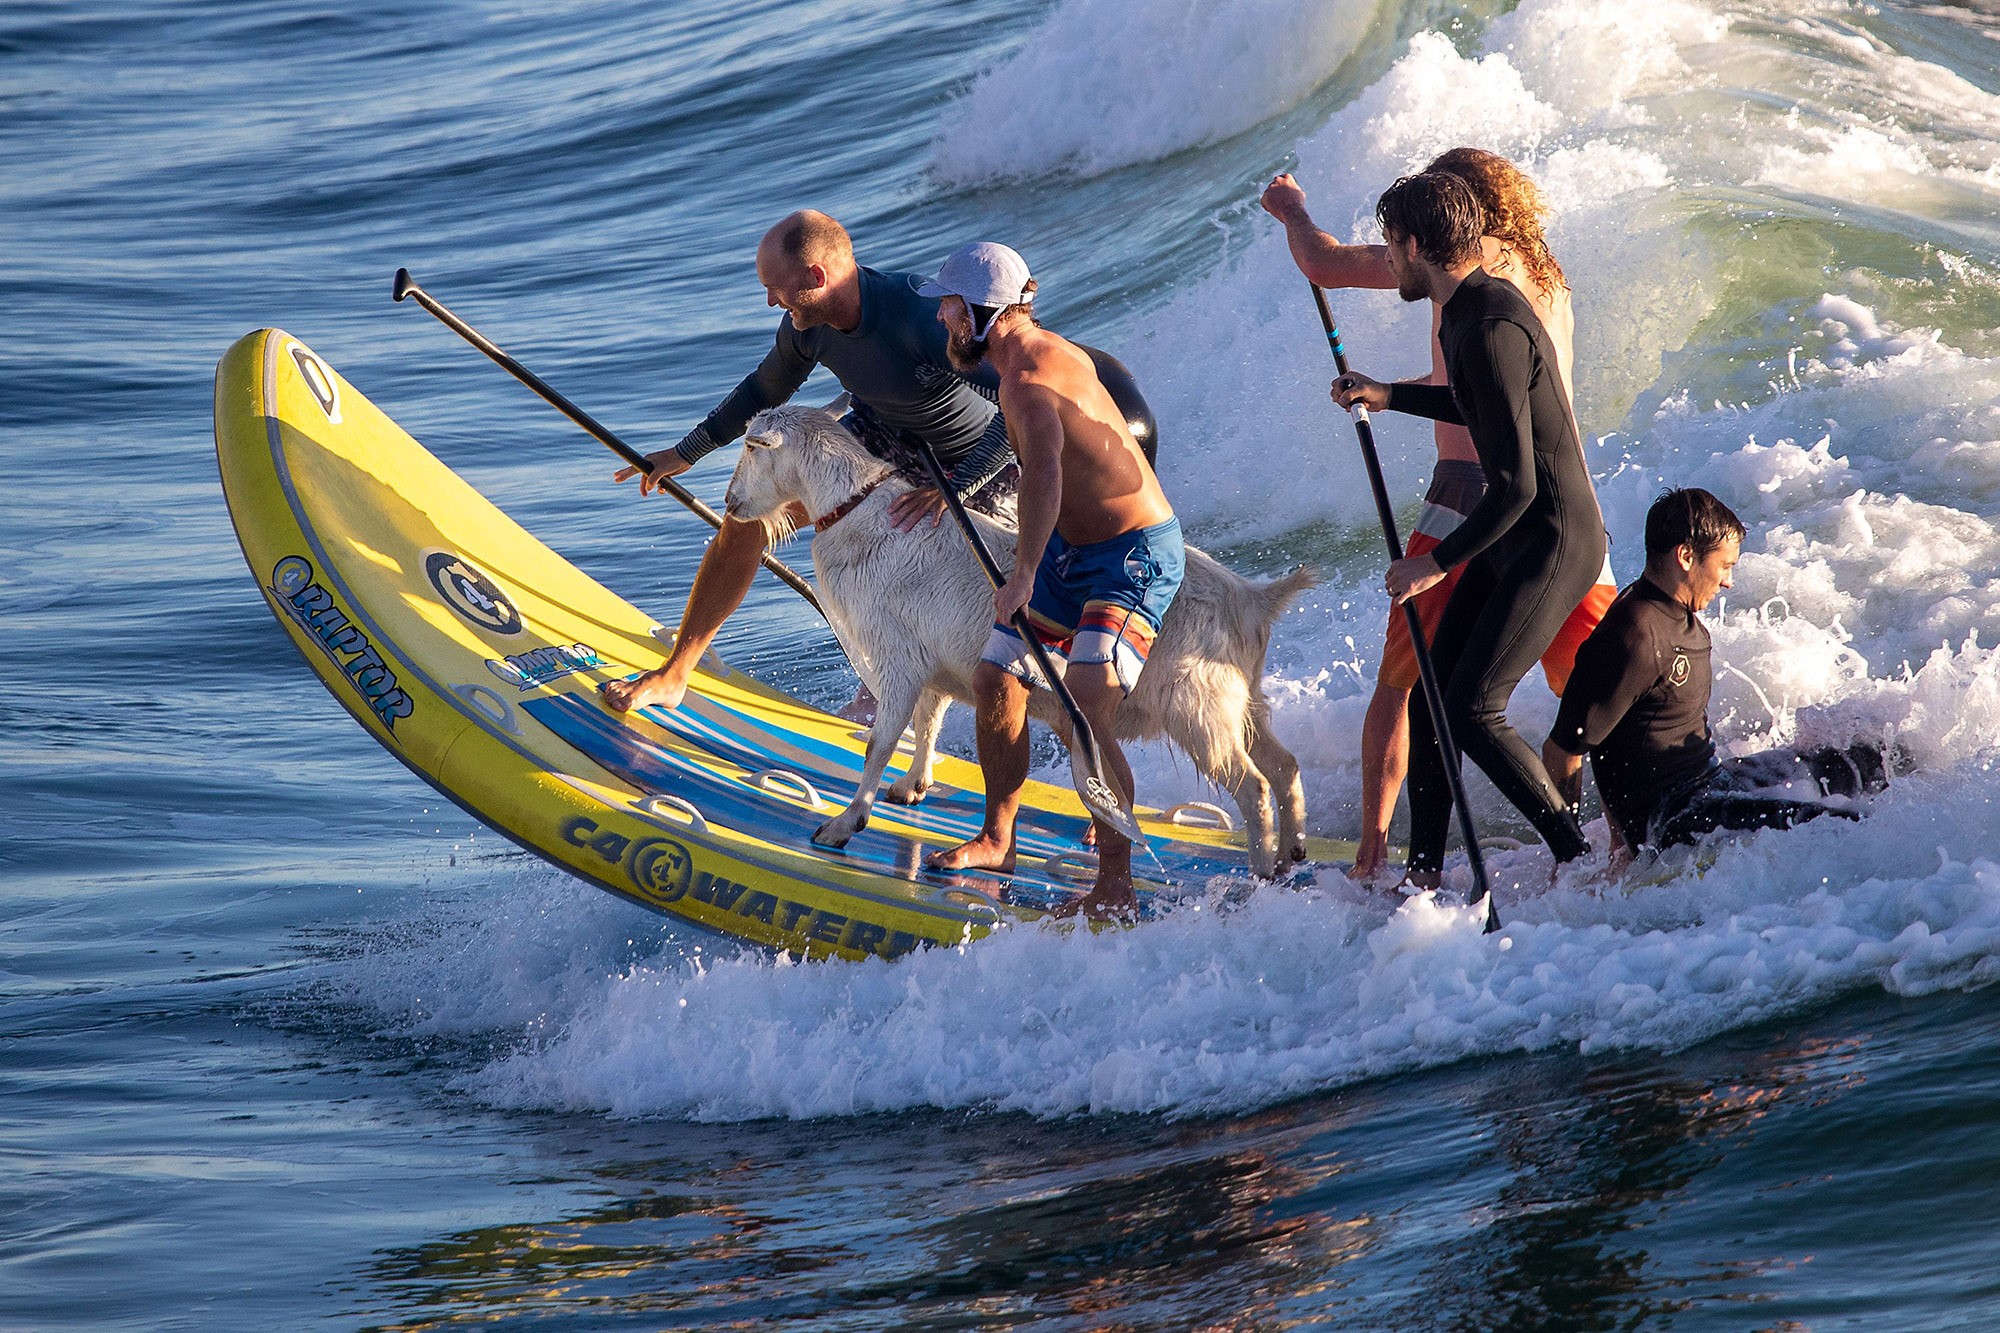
<point>761,441</point>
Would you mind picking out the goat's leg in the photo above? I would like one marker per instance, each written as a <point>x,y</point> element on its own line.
<point>916,780</point>
<point>1253,801</point>
<point>1281,769</point>
<point>892,714</point>
<point>1214,737</point>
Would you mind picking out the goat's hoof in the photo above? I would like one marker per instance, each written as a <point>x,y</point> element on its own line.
<point>835,832</point>
<point>1296,853</point>
<point>910,797</point>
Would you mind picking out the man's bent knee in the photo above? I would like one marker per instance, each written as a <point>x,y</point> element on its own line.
<point>991,681</point>
<point>1094,687</point>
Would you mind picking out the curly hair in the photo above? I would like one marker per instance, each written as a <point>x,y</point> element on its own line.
<point>1513,206</point>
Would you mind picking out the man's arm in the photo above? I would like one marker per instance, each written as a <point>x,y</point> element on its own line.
<point>1609,677</point>
<point>784,368</point>
<point>1035,424</point>
<point>1420,398</point>
<point>1613,669</point>
<point>1320,257</point>
<point>1565,772</point>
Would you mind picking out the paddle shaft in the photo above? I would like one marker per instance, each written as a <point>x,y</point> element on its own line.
<point>407,286</point>
<point>1084,738</point>
<point>1364,430</point>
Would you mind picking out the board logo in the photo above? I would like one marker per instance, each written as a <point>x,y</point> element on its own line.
<point>319,382</point>
<point>313,609</point>
<point>539,666</point>
<point>476,598</point>
<point>661,869</point>
<point>1677,671</point>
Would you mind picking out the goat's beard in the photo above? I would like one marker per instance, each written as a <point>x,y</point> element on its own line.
<point>964,352</point>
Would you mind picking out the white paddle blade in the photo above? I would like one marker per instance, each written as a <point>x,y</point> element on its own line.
<point>1101,798</point>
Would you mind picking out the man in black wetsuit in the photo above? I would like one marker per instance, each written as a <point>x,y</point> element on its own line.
<point>884,343</point>
<point>1638,704</point>
<point>1532,546</point>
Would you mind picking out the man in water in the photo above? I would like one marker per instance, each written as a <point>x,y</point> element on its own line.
<point>1638,704</point>
<point>882,340</point>
<point>1513,248</point>
<point>1533,545</point>
<point>1098,561</point>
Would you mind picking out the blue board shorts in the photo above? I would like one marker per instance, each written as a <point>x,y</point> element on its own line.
<point>1096,604</point>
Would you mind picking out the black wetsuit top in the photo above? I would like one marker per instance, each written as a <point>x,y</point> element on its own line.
<point>1531,548</point>
<point>1637,703</point>
<point>894,363</point>
<point>1506,390</point>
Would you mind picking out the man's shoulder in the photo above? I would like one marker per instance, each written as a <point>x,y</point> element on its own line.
<point>898,289</point>
<point>1634,617</point>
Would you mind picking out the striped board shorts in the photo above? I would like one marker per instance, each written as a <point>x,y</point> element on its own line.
<point>1097,603</point>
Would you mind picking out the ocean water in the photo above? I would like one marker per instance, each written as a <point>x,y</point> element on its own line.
<point>285,1041</point>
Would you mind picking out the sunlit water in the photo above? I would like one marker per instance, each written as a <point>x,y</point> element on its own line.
<point>284,1040</point>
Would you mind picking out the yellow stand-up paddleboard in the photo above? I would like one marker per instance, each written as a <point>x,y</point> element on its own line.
<point>474,653</point>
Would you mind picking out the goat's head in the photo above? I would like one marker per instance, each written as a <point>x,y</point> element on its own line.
<point>796,459</point>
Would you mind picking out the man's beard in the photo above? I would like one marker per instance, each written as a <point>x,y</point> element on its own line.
<point>1413,284</point>
<point>809,312</point>
<point>964,352</point>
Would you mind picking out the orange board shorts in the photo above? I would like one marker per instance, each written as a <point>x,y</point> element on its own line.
<point>1455,488</point>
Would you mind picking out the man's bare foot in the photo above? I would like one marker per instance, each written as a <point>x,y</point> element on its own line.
<point>1111,900</point>
<point>981,853</point>
<point>861,708</point>
<point>1371,856</point>
<point>1378,877</point>
<point>1420,881</point>
<point>657,686</point>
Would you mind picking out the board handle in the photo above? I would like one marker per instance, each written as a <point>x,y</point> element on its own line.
<point>655,805</point>
<point>1200,814</point>
<point>1075,867</point>
<point>778,779</point>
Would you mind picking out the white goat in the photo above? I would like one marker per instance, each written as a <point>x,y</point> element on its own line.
<point>912,611</point>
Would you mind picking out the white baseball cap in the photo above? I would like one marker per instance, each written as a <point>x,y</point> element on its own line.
<point>984,273</point>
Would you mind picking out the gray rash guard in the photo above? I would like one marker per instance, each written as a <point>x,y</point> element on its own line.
<point>894,363</point>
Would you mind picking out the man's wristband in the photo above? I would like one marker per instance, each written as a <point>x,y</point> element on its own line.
<point>695,446</point>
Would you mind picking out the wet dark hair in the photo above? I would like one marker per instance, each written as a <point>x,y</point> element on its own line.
<point>1690,516</point>
<point>1437,210</point>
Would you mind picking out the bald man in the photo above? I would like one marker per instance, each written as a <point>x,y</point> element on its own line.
<point>884,343</point>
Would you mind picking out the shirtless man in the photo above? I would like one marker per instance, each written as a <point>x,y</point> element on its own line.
<point>1098,561</point>
<point>1513,248</point>
<point>882,340</point>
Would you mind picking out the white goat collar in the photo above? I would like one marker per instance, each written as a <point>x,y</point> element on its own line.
<point>845,507</point>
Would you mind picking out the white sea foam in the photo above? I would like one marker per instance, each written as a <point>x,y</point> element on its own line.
<point>1209,1012</point>
<point>1105,83</point>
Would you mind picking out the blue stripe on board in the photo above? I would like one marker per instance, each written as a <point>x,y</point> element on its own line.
<point>947,809</point>
<point>621,750</point>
